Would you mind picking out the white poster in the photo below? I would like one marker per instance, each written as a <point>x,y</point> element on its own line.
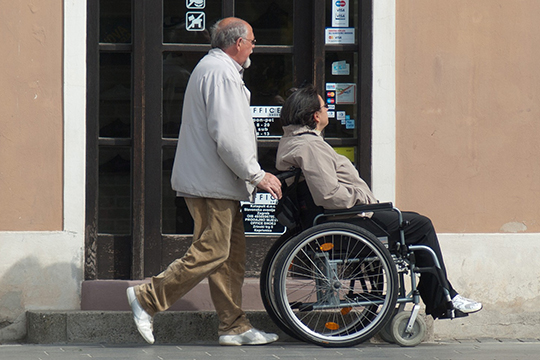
<point>340,13</point>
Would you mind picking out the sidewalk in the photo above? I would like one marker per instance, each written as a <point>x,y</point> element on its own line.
<point>484,349</point>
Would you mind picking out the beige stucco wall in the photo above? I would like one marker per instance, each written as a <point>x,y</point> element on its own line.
<point>31,124</point>
<point>468,109</point>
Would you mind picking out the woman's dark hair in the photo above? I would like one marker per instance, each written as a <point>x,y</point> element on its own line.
<point>300,107</point>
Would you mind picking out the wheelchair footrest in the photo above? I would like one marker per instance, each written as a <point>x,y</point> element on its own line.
<point>457,314</point>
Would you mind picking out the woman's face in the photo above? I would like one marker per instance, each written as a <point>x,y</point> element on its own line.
<point>321,116</point>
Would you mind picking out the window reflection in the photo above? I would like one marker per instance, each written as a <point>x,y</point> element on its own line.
<point>175,214</point>
<point>272,21</point>
<point>114,190</point>
<point>115,95</point>
<point>267,159</point>
<point>269,78</point>
<point>115,21</point>
<point>177,67</point>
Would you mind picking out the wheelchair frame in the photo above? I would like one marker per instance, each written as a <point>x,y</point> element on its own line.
<point>351,292</point>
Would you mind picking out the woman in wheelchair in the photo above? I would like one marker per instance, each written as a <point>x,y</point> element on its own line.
<point>334,183</point>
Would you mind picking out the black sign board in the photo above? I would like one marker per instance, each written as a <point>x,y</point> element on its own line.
<point>259,216</point>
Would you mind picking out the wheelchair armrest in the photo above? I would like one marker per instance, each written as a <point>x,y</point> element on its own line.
<point>360,209</point>
<point>357,209</point>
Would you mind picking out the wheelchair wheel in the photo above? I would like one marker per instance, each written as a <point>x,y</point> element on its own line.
<point>401,337</point>
<point>266,284</point>
<point>335,285</point>
<point>386,331</point>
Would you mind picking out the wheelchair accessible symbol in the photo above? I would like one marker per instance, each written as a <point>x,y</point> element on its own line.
<point>195,21</point>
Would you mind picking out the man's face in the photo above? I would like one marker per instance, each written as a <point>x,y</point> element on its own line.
<point>246,47</point>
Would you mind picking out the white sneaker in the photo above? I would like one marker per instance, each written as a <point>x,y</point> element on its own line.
<point>142,319</point>
<point>465,305</point>
<point>250,337</point>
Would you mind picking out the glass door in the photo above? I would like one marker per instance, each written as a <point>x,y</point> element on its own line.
<point>140,56</point>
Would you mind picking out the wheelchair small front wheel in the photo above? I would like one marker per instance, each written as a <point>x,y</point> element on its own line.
<point>399,326</point>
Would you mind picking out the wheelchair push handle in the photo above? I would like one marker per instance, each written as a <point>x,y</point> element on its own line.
<point>283,175</point>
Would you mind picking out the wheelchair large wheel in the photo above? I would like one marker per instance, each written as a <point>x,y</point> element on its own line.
<point>266,284</point>
<point>335,285</point>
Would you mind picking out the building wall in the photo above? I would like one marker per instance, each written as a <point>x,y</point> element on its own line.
<point>468,135</point>
<point>31,120</point>
<point>467,150</point>
<point>42,132</point>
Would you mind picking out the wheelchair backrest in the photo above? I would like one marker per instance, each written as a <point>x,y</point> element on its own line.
<point>296,207</point>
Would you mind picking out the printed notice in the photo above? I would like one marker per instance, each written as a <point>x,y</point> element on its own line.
<point>340,36</point>
<point>259,216</point>
<point>265,119</point>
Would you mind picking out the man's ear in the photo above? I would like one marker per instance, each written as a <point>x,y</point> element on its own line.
<point>238,43</point>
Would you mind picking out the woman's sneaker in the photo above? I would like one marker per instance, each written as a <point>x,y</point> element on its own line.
<point>250,337</point>
<point>465,305</point>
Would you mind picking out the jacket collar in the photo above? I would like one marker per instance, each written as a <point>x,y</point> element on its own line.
<point>217,52</point>
<point>295,130</point>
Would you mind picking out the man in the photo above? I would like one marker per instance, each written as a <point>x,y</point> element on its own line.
<point>215,168</point>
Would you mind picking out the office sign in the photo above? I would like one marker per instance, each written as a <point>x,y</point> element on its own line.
<point>259,216</point>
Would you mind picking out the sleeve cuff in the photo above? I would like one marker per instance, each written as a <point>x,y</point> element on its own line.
<point>257,178</point>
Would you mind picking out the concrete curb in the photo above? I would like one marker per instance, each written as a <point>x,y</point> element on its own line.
<point>117,327</point>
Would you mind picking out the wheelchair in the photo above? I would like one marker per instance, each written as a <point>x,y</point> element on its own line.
<point>336,284</point>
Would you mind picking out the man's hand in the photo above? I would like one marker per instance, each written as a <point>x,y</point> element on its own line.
<point>271,184</point>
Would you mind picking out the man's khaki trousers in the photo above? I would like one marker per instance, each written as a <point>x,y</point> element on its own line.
<point>218,252</point>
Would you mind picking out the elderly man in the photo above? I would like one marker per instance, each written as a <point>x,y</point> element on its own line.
<point>215,168</point>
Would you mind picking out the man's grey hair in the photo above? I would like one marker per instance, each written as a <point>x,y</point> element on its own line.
<point>225,36</point>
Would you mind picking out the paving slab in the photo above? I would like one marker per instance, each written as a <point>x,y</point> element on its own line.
<point>434,350</point>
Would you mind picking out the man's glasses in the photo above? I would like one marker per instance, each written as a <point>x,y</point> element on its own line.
<point>253,41</point>
<point>324,106</point>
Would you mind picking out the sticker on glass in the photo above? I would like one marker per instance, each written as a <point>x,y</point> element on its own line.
<point>345,93</point>
<point>340,13</point>
<point>340,36</point>
<point>195,21</point>
<point>195,4</point>
<point>341,68</point>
